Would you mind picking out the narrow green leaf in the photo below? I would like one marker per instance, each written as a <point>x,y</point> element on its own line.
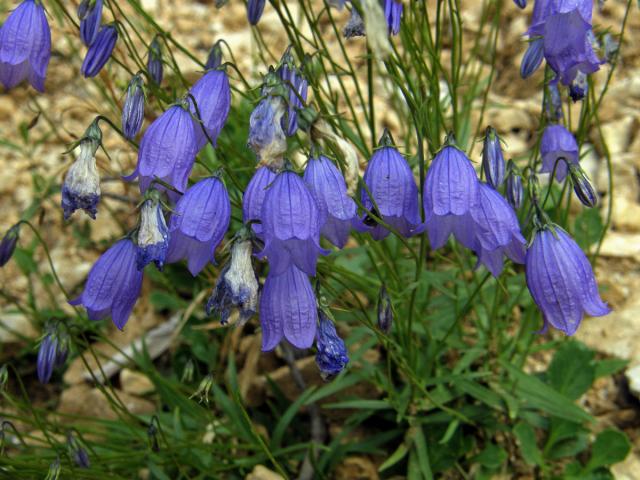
<point>395,457</point>
<point>526,436</point>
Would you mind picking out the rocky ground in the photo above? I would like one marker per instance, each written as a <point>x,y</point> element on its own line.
<point>29,156</point>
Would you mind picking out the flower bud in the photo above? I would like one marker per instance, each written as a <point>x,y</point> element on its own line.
<point>553,104</point>
<point>520,3</point>
<point>77,452</point>
<point>492,159</point>
<point>514,190</point>
<point>385,311</point>
<point>214,59</point>
<point>52,353</point>
<point>532,58</point>
<point>100,51</point>
<point>154,62</point>
<point>54,470</point>
<point>133,109</point>
<point>90,15</point>
<point>332,354</point>
<point>8,244</point>
<point>254,10</point>
<point>582,186</point>
<point>153,234</point>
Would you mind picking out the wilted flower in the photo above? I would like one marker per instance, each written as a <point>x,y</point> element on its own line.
<point>297,86</point>
<point>153,235</point>
<point>450,193</point>
<point>385,310</point>
<point>237,286</point>
<point>561,280</point>
<point>393,14</point>
<point>513,189</point>
<point>81,187</point>
<point>332,354</point>
<point>167,151</point>
<point>390,182</point>
<point>113,284</point>
<point>212,95</point>
<point>497,231</point>
<point>355,25</point>
<point>25,46</point>
<point>99,51</point>
<point>52,353</point>
<point>198,224</point>
<point>558,148</point>
<point>90,15</point>
<point>611,47</point>
<point>377,28</point>
<point>520,3</point>
<point>266,136</point>
<point>214,59</point>
<point>253,198</point>
<point>133,109</point>
<point>582,186</point>
<point>154,62</point>
<point>288,308</point>
<point>291,222</point>
<point>254,10</point>
<point>532,57</point>
<point>492,158</point>
<point>330,190</point>
<point>579,87</point>
<point>8,244</point>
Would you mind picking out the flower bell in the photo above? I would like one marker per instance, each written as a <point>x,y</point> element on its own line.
<point>558,148</point>
<point>532,58</point>
<point>99,51</point>
<point>8,244</point>
<point>154,62</point>
<point>52,353</point>
<point>113,284</point>
<point>332,356</point>
<point>330,190</point>
<point>81,187</point>
<point>493,164</point>
<point>288,309</point>
<point>90,15</point>
<point>394,194</point>
<point>212,96</point>
<point>561,280</point>
<point>237,286</point>
<point>25,46</point>
<point>153,234</point>
<point>254,10</point>
<point>133,109</point>
<point>253,198</point>
<point>393,14</point>
<point>198,224</point>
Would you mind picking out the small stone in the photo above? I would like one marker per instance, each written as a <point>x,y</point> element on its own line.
<point>633,377</point>
<point>135,383</point>
<point>86,401</point>
<point>260,472</point>
<point>357,468</point>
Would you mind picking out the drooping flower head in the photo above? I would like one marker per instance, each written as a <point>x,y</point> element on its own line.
<point>296,84</point>
<point>558,148</point>
<point>391,193</point>
<point>81,187</point>
<point>450,193</point>
<point>561,280</point>
<point>332,356</point>
<point>154,62</point>
<point>212,95</point>
<point>288,309</point>
<point>100,51</point>
<point>514,190</point>
<point>253,198</point>
<point>25,46</point>
<point>133,108</point>
<point>167,151</point>
<point>214,59</point>
<point>291,223</point>
<point>198,224</point>
<point>330,190</point>
<point>493,163</point>
<point>532,58</point>
<point>153,234</point>
<point>113,284</point>
<point>497,231</point>
<point>90,15</point>
<point>52,353</point>
<point>8,244</point>
<point>237,286</point>
<point>254,10</point>
<point>393,14</point>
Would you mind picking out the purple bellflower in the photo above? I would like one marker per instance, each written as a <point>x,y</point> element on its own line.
<point>81,187</point>
<point>154,62</point>
<point>90,15</point>
<point>254,10</point>
<point>212,95</point>
<point>543,10</point>
<point>558,146</point>
<point>113,284</point>
<point>52,353</point>
<point>297,86</point>
<point>133,109</point>
<point>582,186</point>
<point>561,280</point>
<point>332,356</point>
<point>532,58</point>
<point>513,190</point>
<point>253,198</point>
<point>237,286</point>
<point>153,234</point>
<point>99,51</point>
<point>25,46</point>
<point>497,231</point>
<point>198,224</point>
<point>8,244</point>
<point>288,309</point>
<point>450,193</point>
<point>291,222</point>
<point>390,182</point>
<point>493,163</point>
<point>393,14</point>
<point>330,190</point>
<point>167,151</point>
